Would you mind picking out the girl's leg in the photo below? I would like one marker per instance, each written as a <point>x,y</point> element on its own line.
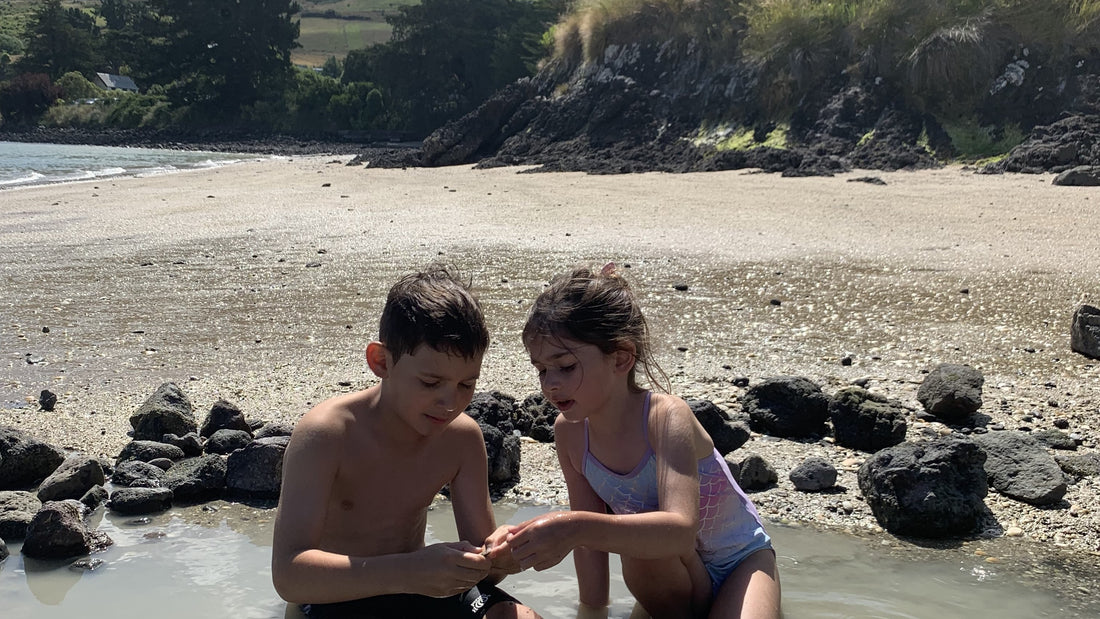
<point>675,587</point>
<point>751,591</point>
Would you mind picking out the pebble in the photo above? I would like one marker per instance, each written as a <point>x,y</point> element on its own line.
<point>1014,532</point>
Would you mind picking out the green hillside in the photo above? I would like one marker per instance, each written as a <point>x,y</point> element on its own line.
<point>328,27</point>
<point>334,27</point>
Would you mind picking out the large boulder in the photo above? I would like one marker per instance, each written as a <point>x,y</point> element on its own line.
<point>1085,331</point>
<point>726,433</point>
<point>935,489</point>
<point>256,471</point>
<point>76,475</point>
<point>58,531</point>
<point>197,479</point>
<point>26,460</point>
<point>167,411</point>
<point>503,451</point>
<point>951,392</point>
<point>495,409</point>
<point>17,508</point>
<point>866,421</point>
<point>1021,468</point>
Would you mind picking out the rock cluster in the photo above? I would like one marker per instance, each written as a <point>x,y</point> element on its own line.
<point>926,487</point>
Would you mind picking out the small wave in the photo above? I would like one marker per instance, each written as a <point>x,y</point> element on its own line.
<point>25,179</point>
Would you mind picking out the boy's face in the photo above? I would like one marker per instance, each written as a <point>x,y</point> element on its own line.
<point>431,388</point>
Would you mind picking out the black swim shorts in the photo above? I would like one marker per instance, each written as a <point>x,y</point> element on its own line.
<point>470,605</point>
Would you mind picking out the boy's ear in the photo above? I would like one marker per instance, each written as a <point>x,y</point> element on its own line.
<point>625,357</point>
<point>378,359</point>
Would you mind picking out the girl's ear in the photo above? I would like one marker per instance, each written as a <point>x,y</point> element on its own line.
<point>625,357</point>
<point>378,359</point>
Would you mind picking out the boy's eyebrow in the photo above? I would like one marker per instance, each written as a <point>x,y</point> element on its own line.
<point>427,374</point>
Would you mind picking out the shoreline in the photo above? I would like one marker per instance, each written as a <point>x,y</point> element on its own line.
<point>260,283</point>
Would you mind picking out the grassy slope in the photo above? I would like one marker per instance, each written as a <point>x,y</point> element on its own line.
<point>320,37</point>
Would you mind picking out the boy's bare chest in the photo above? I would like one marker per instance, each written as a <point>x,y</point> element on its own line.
<point>384,496</point>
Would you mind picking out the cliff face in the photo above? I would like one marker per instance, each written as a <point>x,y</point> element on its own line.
<point>644,106</point>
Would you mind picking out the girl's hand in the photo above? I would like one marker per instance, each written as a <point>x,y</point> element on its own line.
<point>499,552</point>
<point>544,541</point>
<point>449,569</point>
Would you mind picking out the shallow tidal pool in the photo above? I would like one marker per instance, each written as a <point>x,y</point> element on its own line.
<point>214,561</point>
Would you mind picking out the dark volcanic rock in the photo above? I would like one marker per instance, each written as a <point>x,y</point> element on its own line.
<point>130,501</point>
<point>17,507</point>
<point>1085,331</point>
<point>813,475</point>
<point>787,406</point>
<point>1065,144</point>
<point>58,531</point>
<point>167,411</point>
<point>726,433</point>
<point>197,479</point>
<point>935,489</point>
<point>951,392</point>
<point>1021,468</point>
<point>26,460</point>
<point>76,475</point>
<point>866,421</point>
<point>148,450</point>
<point>224,415</point>
<point>257,470</point>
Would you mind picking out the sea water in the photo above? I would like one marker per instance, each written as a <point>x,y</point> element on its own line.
<point>36,164</point>
<point>214,561</point>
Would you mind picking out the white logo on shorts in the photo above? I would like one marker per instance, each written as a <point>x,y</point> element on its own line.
<point>478,603</point>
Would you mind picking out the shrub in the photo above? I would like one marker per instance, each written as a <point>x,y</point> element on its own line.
<point>75,86</point>
<point>27,96</point>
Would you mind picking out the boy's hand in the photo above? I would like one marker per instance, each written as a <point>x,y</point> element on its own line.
<point>542,542</point>
<point>450,568</point>
<point>500,552</point>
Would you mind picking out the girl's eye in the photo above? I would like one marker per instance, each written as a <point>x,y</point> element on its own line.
<point>568,368</point>
<point>467,386</point>
<point>429,384</point>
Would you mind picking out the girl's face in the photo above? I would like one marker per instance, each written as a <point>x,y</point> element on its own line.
<point>573,376</point>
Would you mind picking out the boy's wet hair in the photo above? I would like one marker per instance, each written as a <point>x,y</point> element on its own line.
<point>595,307</point>
<point>433,307</point>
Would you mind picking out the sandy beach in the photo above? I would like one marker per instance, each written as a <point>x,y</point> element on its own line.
<point>261,283</point>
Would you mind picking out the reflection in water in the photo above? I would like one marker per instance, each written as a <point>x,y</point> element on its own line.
<point>196,563</point>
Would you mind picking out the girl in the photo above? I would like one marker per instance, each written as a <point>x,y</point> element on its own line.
<point>644,479</point>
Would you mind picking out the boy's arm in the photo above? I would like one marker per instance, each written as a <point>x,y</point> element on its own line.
<point>470,501</point>
<point>303,573</point>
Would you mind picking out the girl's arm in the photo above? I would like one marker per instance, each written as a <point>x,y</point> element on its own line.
<point>593,579</point>
<point>669,531</point>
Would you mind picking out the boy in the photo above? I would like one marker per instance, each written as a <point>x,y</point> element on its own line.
<point>361,470</point>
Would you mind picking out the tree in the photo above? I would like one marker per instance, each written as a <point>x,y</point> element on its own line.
<point>60,40</point>
<point>332,68</point>
<point>226,54</point>
<point>447,56</point>
<point>27,96</point>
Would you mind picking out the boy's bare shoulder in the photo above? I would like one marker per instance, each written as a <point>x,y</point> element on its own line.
<point>335,415</point>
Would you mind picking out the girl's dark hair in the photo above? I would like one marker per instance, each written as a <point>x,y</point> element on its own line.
<point>595,307</point>
<point>433,307</point>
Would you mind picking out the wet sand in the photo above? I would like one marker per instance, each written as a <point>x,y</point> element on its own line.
<point>261,284</point>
